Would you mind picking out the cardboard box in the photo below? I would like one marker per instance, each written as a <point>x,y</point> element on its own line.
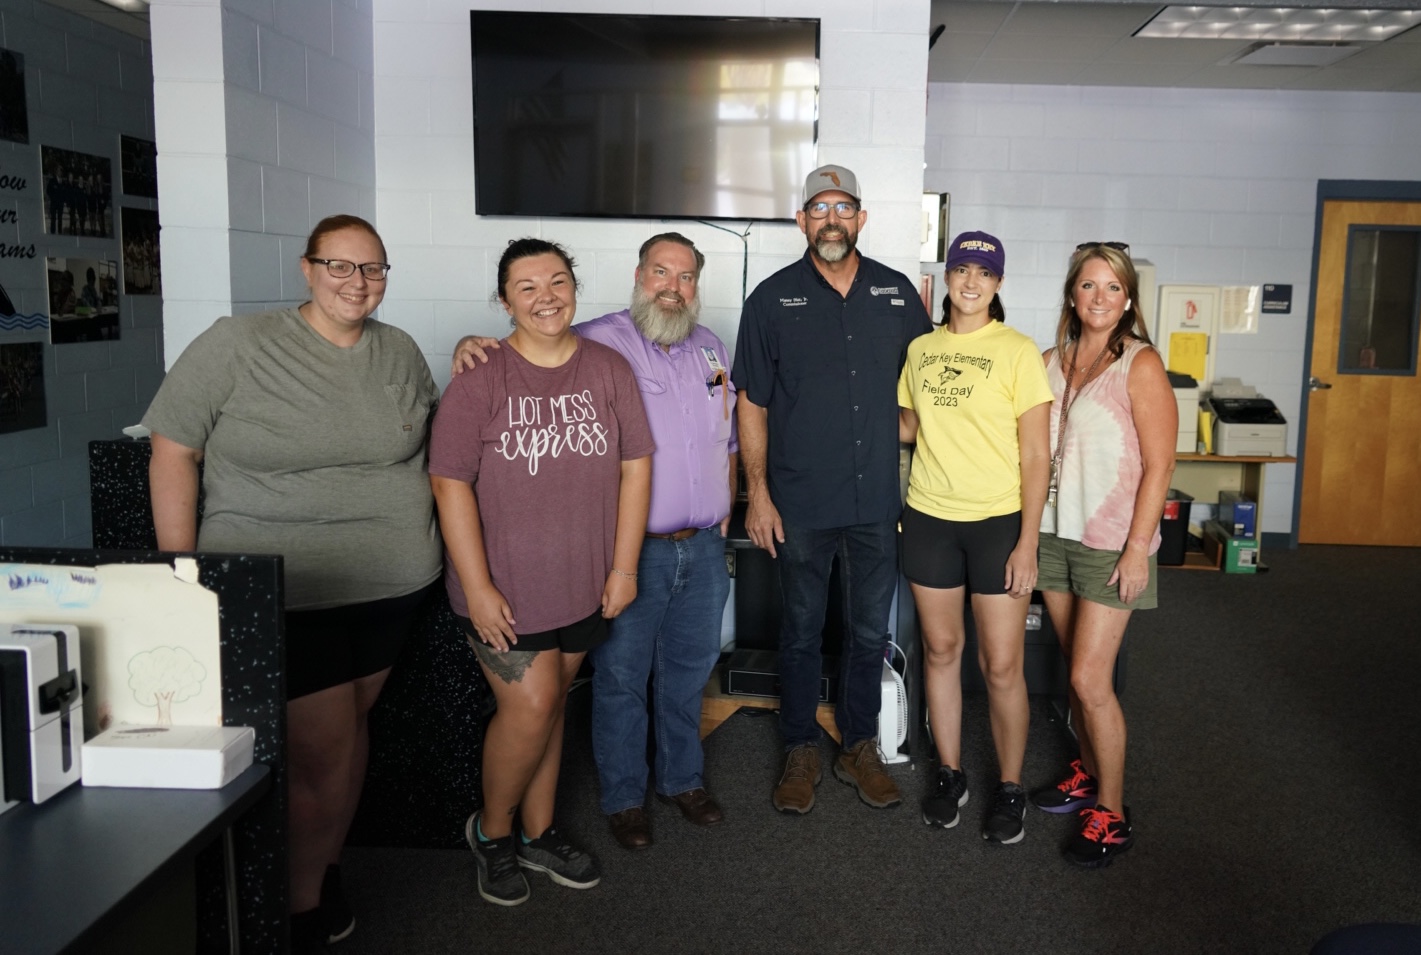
<point>1233,555</point>
<point>1238,512</point>
<point>168,757</point>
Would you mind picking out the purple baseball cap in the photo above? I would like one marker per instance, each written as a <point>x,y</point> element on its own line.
<point>978,247</point>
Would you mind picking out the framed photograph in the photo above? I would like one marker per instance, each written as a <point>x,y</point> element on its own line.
<point>138,159</point>
<point>14,111</point>
<point>83,300</point>
<point>22,387</point>
<point>141,272</point>
<point>78,193</point>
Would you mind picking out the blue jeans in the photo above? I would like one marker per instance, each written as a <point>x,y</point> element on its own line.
<point>671,632</point>
<point>868,576</point>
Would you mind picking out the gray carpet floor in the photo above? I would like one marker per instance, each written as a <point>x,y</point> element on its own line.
<point>1274,725</point>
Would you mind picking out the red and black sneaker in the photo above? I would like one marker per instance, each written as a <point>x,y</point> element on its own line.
<point>1104,835</point>
<point>1076,791</point>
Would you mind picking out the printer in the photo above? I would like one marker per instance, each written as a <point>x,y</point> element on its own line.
<point>1186,397</point>
<point>1245,423</point>
<point>41,711</point>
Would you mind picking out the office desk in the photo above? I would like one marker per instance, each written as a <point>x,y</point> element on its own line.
<point>74,864</point>
<point>1203,476</point>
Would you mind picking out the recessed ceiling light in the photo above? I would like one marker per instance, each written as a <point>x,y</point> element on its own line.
<point>1285,24</point>
<point>132,6</point>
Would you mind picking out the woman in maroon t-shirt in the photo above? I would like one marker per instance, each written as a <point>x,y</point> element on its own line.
<point>541,469</point>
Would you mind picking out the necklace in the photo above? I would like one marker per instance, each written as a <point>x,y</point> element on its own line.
<point>1065,411</point>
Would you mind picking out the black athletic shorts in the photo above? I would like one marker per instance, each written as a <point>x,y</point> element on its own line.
<point>325,648</point>
<point>947,554</point>
<point>586,634</point>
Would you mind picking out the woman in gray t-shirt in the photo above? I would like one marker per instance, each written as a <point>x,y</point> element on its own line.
<point>310,425</point>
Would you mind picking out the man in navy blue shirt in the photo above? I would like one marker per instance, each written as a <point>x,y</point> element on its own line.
<point>816,364</point>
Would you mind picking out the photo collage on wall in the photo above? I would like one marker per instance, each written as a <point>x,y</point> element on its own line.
<point>69,252</point>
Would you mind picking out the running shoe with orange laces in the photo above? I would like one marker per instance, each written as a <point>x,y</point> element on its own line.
<point>1104,835</point>
<point>1076,791</point>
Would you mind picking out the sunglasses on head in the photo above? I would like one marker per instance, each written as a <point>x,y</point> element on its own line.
<point>1117,246</point>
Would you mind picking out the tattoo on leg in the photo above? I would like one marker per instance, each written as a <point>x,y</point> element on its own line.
<point>508,667</point>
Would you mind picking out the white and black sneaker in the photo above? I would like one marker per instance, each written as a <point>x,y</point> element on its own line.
<point>946,794</point>
<point>500,879</point>
<point>1005,819</point>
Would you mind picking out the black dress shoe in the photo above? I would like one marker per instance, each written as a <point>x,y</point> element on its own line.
<point>631,828</point>
<point>697,806</point>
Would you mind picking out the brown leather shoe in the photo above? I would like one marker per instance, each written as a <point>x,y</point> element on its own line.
<point>696,805</point>
<point>795,792</point>
<point>862,768</point>
<point>631,828</point>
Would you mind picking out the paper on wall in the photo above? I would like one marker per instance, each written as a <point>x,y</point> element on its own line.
<point>1238,312</point>
<point>149,639</point>
<point>1189,353</point>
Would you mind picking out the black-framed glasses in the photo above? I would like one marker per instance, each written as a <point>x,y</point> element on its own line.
<point>1117,246</point>
<point>341,269</point>
<point>820,210</point>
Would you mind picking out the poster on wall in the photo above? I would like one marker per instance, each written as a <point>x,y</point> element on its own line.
<point>83,300</point>
<point>138,159</point>
<point>78,193</point>
<point>22,386</point>
<point>14,111</point>
<point>142,274</point>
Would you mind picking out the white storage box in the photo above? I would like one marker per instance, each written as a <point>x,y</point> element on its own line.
<point>168,757</point>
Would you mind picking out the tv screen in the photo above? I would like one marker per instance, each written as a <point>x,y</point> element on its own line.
<point>643,116</point>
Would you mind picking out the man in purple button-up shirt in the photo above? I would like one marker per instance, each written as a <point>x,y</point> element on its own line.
<point>671,632</point>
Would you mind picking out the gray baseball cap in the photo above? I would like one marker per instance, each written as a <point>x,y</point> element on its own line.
<point>826,178</point>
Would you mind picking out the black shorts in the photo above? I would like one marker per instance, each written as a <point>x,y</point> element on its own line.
<point>947,554</point>
<point>586,634</point>
<point>325,648</point>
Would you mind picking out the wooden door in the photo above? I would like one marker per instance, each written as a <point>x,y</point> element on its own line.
<point>1361,481</point>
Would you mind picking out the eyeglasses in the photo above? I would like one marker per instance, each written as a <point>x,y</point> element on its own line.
<point>1117,246</point>
<point>341,269</point>
<point>820,210</point>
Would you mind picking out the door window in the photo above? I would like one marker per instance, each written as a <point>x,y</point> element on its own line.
<point>1381,306</point>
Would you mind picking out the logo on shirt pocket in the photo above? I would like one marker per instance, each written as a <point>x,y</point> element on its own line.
<point>412,409</point>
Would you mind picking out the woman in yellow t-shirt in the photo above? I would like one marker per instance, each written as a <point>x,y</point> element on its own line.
<point>974,395</point>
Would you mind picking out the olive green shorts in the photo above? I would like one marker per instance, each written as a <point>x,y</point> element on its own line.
<point>1068,566</point>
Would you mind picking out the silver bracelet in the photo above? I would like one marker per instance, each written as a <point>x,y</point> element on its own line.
<point>623,573</point>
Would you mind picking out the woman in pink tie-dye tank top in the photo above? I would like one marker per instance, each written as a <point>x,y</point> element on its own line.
<point>1113,426</point>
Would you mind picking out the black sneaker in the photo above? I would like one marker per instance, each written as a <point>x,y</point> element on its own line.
<point>946,793</point>
<point>563,862</point>
<point>1102,837</point>
<point>1075,792</point>
<point>1005,818</point>
<point>308,932</point>
<point>335,910</point>
<point>500,880</point>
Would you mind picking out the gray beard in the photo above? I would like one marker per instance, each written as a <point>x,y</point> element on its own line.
<point>663,324</point>
<point>834,250</point>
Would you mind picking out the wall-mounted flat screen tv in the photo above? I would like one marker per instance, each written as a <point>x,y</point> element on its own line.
<point>643,116</point>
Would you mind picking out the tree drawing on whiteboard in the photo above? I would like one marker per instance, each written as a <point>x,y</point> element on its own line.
<point>164,676</point>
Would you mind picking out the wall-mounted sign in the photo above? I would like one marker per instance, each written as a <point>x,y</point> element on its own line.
<point>1278,299</point>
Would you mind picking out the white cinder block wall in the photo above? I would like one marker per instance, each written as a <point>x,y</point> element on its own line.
<point>85,85</point>
<point>265,120</point>
<point>873,77</point>
<point>1216,187</point>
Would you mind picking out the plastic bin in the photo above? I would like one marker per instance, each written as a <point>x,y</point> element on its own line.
<point>1174,528</point>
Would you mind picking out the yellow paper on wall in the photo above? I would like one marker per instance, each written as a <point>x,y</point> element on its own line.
<point>1188,352</point>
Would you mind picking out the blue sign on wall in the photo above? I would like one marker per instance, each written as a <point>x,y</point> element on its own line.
<point>1278,299</point>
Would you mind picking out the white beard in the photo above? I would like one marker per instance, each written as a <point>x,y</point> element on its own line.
<point>663,323</point>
